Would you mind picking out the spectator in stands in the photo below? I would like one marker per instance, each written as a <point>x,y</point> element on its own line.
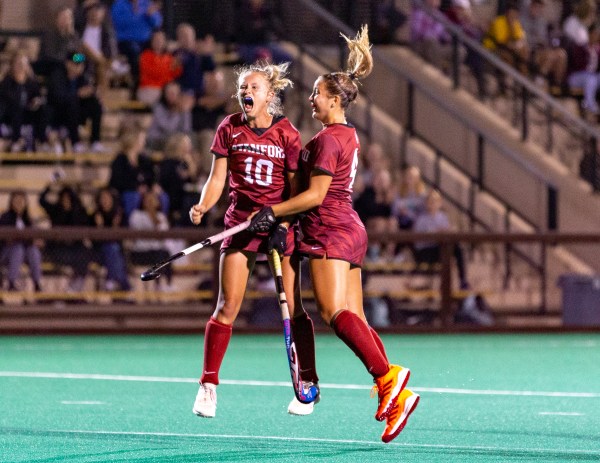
<point>584,72</point>
<point>575,27</point>
<point>16,252</point>
<point>374,159</point>
<point>434,220</point>
<point>428,36</point>
<point>200,76</point>
<point>134,21</point>
<point>256,33</point>
<point>460,13</point>
<point>99,43</point>
<point>147,252</point>
<point>109,214</point>
<point>410,201</point>
<point>72,97</point>
<point>171,115</point>
<point>67,210</point>
<point>21,103</point>
<point>550,60</point>
<point>59,40</point>
<point>374,207</point>
<point>179,178</point>
<point>387,20</point>
<point>132,172</point>
<point>158,67</point>
<point>507,39</point>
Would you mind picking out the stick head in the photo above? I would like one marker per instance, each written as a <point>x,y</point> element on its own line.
<point>150,274</point>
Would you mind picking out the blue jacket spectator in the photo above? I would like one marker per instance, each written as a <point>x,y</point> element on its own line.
<point>134,22</point>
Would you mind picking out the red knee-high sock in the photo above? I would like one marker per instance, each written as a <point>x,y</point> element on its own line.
<point>216,340</point>
<point>303,332</point>
<point>379,343</point>
<point>355,332</point>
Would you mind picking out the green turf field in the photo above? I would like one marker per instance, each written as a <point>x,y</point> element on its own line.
<point>484,398</point>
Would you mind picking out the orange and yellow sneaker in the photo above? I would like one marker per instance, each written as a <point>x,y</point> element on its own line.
<point>388,389</point>
<point>396,420</point>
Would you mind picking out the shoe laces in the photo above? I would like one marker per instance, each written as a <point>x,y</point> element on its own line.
<point>210,393</point>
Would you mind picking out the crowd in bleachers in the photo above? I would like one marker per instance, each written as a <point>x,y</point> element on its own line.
<point>44,102</point>
<point>558,48</point>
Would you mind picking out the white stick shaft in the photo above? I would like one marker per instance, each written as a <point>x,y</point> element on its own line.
<point>216,238</point>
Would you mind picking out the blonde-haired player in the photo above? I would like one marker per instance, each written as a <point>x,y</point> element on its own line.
<point>258,149</point>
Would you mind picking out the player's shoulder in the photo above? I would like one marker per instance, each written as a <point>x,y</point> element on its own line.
<point>232,121</point>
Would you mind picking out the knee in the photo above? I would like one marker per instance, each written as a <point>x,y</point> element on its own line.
<point>227,310</point>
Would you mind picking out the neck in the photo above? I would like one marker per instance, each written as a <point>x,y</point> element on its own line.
<point>262,121</point>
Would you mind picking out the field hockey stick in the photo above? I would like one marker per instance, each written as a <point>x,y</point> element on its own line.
<point>155,271</point>
<point>305,396</point>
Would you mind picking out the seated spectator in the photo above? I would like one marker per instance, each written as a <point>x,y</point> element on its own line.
<point>147,252</point>
<point>132,172</point>
<point>550,60</point>
<point>584,72</point>
<point>428,36</point>
<point>99,43</point>
<point>57,42</point>
<point>388,19</point>
<point>433,220</point>
<point>73,100</point>
<point>67,210</point>
<point>507,39</point>
<point>575,27</point>
<point>21,103</point>
<point>158,67</point>
<point>179,178</point>
<point>410,201</point>
<point>374,159</point>
<point>374,207</point>
<point>134,21</point>
<point>256,33</point>
<point>200,77</point>
<point>460,13</point>
<point>109,214</point>
<point>171,115</point>
<point>14,253</point>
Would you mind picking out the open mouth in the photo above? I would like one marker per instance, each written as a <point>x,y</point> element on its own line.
<point>248,103</point>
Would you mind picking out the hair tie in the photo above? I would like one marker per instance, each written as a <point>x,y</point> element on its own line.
<point>352,75</point>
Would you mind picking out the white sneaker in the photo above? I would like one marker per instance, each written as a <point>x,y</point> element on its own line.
<point>298,408</point>
<point>206,401</point>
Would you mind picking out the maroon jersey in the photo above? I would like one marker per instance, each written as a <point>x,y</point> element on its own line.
<point>334,228</point>
<point>258,169</point>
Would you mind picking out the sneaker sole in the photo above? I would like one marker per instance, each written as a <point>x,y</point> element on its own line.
<point>203,415</point>
<point>411,405</point>
<point>402,380</point>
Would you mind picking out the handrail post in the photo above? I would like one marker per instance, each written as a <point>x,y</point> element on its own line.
<point>455,62</point>
<point>524,115</point>
<point>446,283</point>
<point>410,107</point>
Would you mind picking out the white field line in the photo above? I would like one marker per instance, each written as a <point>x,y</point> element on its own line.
<point>162,379</point>
<point>400,344</point>
<point>483,448</point>
<point>562,413</point>
<point>82,402</point>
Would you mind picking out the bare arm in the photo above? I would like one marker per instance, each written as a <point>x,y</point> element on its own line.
<point>213,188</point>
<point>311,197</point>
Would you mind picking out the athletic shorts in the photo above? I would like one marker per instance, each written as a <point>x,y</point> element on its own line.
<point>344,243</point>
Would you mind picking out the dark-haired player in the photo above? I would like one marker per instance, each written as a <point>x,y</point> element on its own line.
<point>334,237</point>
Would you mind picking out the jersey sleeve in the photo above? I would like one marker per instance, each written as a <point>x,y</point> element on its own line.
<point>326,154</point>
<point>222,140</point>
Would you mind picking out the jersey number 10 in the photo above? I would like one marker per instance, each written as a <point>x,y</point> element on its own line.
<point>262,173</point>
